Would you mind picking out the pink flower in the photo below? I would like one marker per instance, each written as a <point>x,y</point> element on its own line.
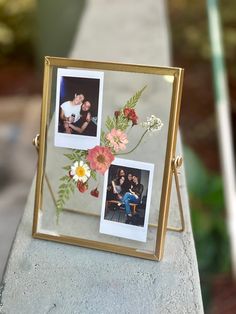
<point>100,158</point>
<point>117,139</point>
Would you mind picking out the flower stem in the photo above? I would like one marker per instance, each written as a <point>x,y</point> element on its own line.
<point>140,140</point>
<point>129,130</point>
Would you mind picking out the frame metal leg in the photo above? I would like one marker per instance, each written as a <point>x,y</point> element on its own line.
<point>177,163</point>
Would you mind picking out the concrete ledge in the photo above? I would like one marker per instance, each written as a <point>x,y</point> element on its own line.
<point>46,277</point>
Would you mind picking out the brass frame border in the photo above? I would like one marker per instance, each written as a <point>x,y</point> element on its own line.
<point>170,167</point>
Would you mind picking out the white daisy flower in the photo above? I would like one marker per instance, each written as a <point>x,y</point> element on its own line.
<point>80,171</point>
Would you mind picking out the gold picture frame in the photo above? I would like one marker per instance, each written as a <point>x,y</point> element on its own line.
<point>105,83</point>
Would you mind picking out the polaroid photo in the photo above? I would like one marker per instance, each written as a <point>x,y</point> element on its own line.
<point>78,110</point>
<point>126,199</point>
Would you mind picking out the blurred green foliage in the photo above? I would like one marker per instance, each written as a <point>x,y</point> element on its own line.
<point>17,29</point>
<point>191,30</point>
<point>208,221</point>
<point>31,29</point>
<point>57,24</point>
<point>191,46</point>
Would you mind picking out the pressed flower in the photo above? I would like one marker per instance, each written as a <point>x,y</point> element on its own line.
<point>82,187</point>
<point>100,158</point>
<point>130,114</point>
<point>152,124</point>
<point>80,171</point>
<point>116,114</point>
<point>95,192</point>
<point>117,140</point>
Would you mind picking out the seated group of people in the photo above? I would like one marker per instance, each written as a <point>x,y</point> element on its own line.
<point>75,115</point>
<point>126,190</point>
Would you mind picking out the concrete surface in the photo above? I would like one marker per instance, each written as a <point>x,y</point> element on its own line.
<point>46,277</point>
<point>19,121</point>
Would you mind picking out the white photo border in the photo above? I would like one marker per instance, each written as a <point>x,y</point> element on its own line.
<point>123,230</point>
<point>75,141</point>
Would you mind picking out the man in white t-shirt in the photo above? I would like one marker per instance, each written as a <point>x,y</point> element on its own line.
<point>70,111</point>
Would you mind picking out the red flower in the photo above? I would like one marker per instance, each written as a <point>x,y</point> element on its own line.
<point>70,175</point>
<point>100,158</point>
<point>117,113</point>
<point>130,114</point>
<point>95,192</point>
<point>82,187</point>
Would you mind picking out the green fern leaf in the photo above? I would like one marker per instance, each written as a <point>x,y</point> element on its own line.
<point>69,156</point>
<point>64,192</point>
<point>110,123</point>
<point>93,174</point>
<point>131,103</point>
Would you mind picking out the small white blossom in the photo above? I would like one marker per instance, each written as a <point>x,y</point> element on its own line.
<point>152,124</point>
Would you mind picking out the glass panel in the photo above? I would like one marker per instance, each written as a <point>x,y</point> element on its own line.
<point>94,205</point>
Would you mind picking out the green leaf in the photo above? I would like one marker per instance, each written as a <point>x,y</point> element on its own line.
<point>72,188</point>
<point>64,193</point>
<point>94,174</point>
<point>76,157</point>
<point>69,156</point>
<point>110,123</point>
<point>64,178</point>
<point>131,103</point>
<point>122,123</point>
<point>67,178</point>
<point>103,138</point>
<point>62,186</point>
<point>80,153</point>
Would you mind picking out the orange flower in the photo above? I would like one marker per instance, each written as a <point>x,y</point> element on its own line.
<point>100,158</point>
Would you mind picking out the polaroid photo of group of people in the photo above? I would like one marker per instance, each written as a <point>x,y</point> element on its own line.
<point>126,199</point>
<point>127,183</point>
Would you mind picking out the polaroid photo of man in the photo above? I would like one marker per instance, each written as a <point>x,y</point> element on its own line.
<point>126,199</point>
<point>78,108</point>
